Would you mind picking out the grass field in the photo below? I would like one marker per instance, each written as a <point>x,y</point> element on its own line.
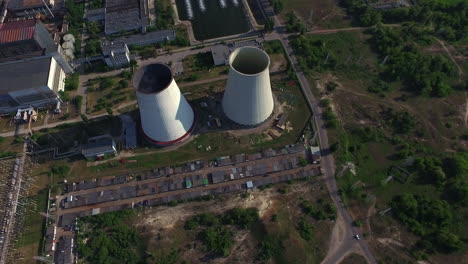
<point>200,67</point>
<point>368,146</point>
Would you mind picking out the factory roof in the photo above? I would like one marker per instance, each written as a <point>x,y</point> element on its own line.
<point>122,15</point>
<point>26,4</point>
<point>103,146</point>
<point>147,38</point>
<point>13,74</point>
<point>17,30</point>
<point>107,48</point>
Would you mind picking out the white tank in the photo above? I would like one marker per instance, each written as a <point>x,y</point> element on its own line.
<point>166,116</point>
<point>69,37</point>
<point>248,99</point>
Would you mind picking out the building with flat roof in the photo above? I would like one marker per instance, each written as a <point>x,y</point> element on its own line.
<point>30,83</point>
<point>125,15</point>
<point>147,38</point>
<point>116,55</point>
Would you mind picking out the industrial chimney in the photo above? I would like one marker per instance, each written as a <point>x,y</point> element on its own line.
<point>248,99</point>
<point>166,116</point>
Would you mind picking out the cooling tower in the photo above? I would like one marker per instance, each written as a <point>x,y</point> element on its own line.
<point>166,116</point>
<point>248,99</point>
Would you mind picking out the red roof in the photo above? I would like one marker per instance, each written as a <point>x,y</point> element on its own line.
<point>17,30</point>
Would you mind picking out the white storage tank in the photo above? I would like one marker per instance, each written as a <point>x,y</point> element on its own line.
<point>166,116</point>
<point>248,99</point>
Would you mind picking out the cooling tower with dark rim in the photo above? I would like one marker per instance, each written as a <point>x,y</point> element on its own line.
<point>248,99</point>
<point>166,116</point>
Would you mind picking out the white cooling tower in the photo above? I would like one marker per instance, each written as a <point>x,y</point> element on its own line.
<point>166,116</point>
<point>248,99</point>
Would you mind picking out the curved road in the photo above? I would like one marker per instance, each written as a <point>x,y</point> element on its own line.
<point>346,242</point>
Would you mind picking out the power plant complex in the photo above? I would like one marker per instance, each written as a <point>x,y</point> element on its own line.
<point>167,117</point>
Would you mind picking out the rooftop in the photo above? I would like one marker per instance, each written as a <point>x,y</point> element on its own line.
<point>98,147</point>
<point>17,30</point>
<point>122,15</point>
<point>13,74</point>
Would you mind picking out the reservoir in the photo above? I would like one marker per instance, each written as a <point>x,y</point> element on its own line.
<point>213,18</point>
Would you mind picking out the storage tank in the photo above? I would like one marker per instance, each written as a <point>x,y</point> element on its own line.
<point>166,116</point>
<point>248,99</point>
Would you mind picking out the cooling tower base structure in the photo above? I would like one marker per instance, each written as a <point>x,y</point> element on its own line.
<point>166,116</point>
<point>248,99</point>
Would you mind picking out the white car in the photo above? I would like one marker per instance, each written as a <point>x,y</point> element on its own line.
<point>357,237</point>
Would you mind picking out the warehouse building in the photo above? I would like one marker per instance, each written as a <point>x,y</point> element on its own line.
<point>30,83</point>
<point>125,15</point>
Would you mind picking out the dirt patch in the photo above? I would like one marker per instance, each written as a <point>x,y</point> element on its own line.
<point>279,210</point>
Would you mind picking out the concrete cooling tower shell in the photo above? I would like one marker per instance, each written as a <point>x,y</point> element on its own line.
<point>248,99</point>
<point>166,116</point>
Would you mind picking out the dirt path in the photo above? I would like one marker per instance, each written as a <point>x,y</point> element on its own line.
<point>466,110</point>
<point>459,69</point>
<point>337,237</point>
<point>370,212</point>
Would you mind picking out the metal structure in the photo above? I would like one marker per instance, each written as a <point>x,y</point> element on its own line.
<point>166,116</point>
<point>248,99</point>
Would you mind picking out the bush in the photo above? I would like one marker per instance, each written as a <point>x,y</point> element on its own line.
<point>305,229</point>
<point>123,84</point>
<point>243,218</point>
<point>218,240</point>
<point>18,140</point>
<point>106,83</point>
<point>331,86</point>
<point>4,154</point>
<point>84,118</point>
<point>2,139</point>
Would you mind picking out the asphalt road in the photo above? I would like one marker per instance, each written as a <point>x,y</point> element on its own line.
<point>348,244</point>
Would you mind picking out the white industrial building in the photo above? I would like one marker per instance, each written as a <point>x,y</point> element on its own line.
<point>30,83</point>
<point>166,116</point>
<point>248,99</point>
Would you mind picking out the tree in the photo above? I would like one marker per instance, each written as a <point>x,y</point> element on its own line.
<point>269,25</point>
<point>72,82</point>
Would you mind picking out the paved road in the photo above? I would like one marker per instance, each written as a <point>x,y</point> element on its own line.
<point>347,243</point>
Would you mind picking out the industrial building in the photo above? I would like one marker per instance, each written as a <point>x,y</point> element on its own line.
<point>147,38</point>
<point>248,99</point>
<point>166,116</point>
<point>98,147</point>
<point>30,83</point>
<point>125,15</point>
<point>24,39</point>
<point>116,55</point>
<point>30,8</point>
